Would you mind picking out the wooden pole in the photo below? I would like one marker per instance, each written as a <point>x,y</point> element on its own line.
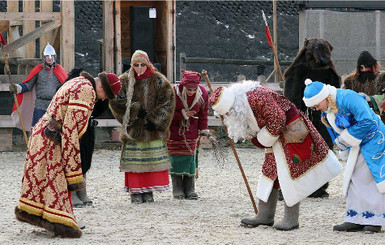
<point>275,38</point>
<point>14,95</point>
<point>233,148</point>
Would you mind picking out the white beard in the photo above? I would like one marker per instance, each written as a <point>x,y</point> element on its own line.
<point>236,121</point>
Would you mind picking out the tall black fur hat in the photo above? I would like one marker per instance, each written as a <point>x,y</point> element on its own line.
<point>366,59</point>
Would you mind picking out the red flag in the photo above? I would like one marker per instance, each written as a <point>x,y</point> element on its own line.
<point>268,36</point>
<point>2,40</point>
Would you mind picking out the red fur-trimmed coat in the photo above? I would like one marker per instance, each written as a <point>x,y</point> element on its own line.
<point>198,122</point>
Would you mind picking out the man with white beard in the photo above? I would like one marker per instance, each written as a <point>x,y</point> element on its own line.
<point>297,159</point>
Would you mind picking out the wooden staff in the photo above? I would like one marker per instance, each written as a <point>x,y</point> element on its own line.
<point>14,95</point>
<point>233,148</point>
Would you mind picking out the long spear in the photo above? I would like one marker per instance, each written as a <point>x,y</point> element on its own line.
<point>2,42</point>
<point>268,36</point>
<point>233,148</point>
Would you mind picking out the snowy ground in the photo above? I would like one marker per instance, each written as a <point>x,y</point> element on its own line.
<point>213,219</point>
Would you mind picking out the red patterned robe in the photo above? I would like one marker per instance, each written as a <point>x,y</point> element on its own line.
<point>50,167</point>
<point>296,154</point>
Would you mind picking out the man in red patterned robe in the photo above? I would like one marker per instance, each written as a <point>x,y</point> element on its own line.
<point>297,159</point>
<point>52,167</point>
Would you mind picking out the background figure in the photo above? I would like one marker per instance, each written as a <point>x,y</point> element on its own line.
<point>145,108</point>
<point>190,121</point>
<point>360,132</point>
<point>295,153</point>
<point>368,79</point>
<point>52,166</point>
<point>87,144</point>
<point>42,83</point>
<point>312,61</point>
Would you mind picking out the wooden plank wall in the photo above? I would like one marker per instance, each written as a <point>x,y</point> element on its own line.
<point>161,30</point>
<point>45,6</point>
<point>67,44</point>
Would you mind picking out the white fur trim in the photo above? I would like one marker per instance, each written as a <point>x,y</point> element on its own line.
<point>331,116</point>
<point>316,99</point>
<point>349,168</point>
<point>381,186</point>
<point>294,190</point>
<point>225,101</point>
<point>349,139</point>
<point>265,185</point>
<point>266,138</point>
<point>184,114</point>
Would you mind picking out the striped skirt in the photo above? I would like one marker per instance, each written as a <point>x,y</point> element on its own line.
<point>146,165</point>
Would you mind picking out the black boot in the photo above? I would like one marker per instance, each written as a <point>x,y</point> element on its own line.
<point>372,229</point>
<point>348,227</point>
<point>177,186</point>
<point>136,198</point>
<point>266,212</point>
<point>321,192</point>
<point>148,197</point>
<point>82,194</point>
<point>189,187</point>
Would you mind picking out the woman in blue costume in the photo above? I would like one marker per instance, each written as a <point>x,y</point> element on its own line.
<point>359,132</point>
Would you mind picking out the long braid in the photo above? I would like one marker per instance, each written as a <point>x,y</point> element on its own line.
<point>332,104</point>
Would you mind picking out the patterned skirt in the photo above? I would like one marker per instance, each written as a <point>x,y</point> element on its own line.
<point>146,166</point>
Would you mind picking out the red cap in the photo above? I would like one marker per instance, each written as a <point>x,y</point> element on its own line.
<point>190,79</point>
<point>115,83</point>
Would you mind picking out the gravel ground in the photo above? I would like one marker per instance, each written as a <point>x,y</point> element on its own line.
<point>212,219</point>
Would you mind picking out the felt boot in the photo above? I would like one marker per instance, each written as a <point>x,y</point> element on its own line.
<point>290,219</point>
<point>266,212</point>
<point>348,227</point>
<point>82,194</point>
<point>177,186</point>
<point>189,187</point>
<point>148,197</point>
<point>76,202</point>
<point>136,198</point>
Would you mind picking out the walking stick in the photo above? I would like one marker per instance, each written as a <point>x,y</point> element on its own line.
<point>197,156</point>
<point>2,41</point>
<point>233,148</point>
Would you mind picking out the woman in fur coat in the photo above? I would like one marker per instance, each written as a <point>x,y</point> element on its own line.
<point>145,109</point>
<point>190,120</point>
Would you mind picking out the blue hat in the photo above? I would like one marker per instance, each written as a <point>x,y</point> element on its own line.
<point>314,93</point>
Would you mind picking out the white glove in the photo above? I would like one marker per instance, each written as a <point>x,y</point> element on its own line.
<point>15,88</point>
<point>340,144</point>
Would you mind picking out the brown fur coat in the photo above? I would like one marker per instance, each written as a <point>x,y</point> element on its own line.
<point>372,87</point>
<point>156,96</point>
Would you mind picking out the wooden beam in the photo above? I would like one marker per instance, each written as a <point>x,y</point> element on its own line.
<point>118,37</point>
<point>29,26</point>
<point>4,25</point>
<point>46,7</point>
<point>108,36</point>
<point>34,35</point>
<point>48,15</point>
<point>67,44</point>
<point>13,34</point>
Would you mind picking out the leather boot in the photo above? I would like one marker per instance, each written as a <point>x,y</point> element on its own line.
<point>177,186</point>
<point>290,219</point>
<point>189,187</point>
<point>348,227</point>
<point>82,194</point>
<point>148,197</point>
<point>266,212</point>
<point>136,198</point>
<point>76,202</point>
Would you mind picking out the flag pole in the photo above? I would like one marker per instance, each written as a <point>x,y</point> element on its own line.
<point>2,42</point>
<point>268,36</point>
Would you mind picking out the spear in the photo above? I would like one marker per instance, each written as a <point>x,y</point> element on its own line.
<point>233,148</point>
<point>268,36</point>
<point>2,42</point>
